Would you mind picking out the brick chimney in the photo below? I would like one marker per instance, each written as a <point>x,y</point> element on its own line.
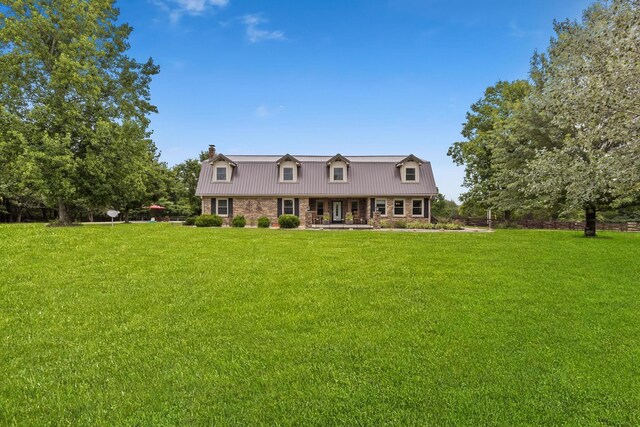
<point>212,151</point>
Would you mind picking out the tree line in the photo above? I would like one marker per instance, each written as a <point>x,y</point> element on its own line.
<point>74,116</point>
<point>568,137</point>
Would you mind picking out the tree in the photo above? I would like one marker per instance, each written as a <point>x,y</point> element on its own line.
<point>21,181</point>
<point>502,134</point>
<point>186,174</point>
<point>443,208</point>
<point>80,100</point>
<point>569,138</point>
<point>591,94</point>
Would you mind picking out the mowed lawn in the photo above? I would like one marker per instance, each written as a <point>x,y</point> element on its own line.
<point>170,325</point>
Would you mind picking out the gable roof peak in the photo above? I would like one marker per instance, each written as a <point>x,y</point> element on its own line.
<point>288,157</point>
<point>338,157</point>
<point>410,158</point>
<point>222,157</point>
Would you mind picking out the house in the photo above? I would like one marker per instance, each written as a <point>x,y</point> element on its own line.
<point>397,187</point>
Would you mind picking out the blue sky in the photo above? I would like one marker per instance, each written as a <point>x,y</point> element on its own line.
<point>348,76</point>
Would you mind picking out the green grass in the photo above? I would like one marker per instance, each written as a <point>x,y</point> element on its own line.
<point>164,325</point>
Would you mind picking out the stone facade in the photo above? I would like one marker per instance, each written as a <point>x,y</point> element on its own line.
<point>390,217</point>
<point>255,207</point>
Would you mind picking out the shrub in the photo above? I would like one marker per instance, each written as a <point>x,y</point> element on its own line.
<point>264,222</point>
<point>326,217</point>
<point>449,226</point>
<point>288,221</point>
<point>400,224</point>
<point>414,224</point>
<point>349,217</point>
<point>239,221</point>
<point>208,221</point>
<point>384,223</point>
<point>190,221</point>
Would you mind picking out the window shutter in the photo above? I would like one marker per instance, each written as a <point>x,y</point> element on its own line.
<point>279,207</point>
<point>231,207</point>
<point>296,204</point>
<point>425,209</point>
<point>213,207</point>
<point>373,206</point>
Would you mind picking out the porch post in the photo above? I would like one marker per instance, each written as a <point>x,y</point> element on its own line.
<point>308,219</point>
<point>367,210</point>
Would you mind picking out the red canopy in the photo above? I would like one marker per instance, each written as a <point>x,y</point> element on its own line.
<point>156,207</point>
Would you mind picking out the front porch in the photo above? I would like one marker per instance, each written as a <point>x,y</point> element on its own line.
<point>338,212</point>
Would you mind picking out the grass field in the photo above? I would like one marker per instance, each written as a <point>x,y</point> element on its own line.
<point>164,325</point>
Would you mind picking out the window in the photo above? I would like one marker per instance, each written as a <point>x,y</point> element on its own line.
<point>287,174</point>
<point>287,206</point>
<point>223,207</point>
<point>410,174</point>
<point>354,206</point>
<point>417,208</point>
<point>398,207</point>
<point>319,207</point>
<point>221,174</point>
<point>381,206</point>
<point>338,174</point>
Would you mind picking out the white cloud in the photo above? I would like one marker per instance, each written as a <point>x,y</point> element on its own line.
<point>255,34</point>
<point>197,7</point>
<point>177,8</point>
<point>264,111</point>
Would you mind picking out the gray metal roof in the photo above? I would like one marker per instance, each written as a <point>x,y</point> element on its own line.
<point>366,176</point>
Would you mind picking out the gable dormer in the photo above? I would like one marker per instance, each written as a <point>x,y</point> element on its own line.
<point>288,169</point>
<point>410,169</point>
<point>222,168</point>
<point>338,168</point>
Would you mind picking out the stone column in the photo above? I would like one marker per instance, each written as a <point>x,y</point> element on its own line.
<point>376,220</point>
<point>308,219</point>
<point>206,205</point>
<point>367,210</point>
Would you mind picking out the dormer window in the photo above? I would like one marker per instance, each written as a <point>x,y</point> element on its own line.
<point>221,173</point>
<point>338,168</point>
<point>409,167</point>
<point>222,168</point>
<point>288,169</point>
<point>287,174</point>
<point>338,173</point>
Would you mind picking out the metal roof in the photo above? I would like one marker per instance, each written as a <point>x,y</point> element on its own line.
<point>257,175</point>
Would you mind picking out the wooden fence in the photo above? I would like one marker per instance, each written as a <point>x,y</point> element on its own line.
<point>551,225</point>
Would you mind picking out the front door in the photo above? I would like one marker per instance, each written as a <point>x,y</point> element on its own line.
<point>337,211</point>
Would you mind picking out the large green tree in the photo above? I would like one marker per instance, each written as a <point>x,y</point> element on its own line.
<point>569,138</point>
<point>590,92</point>
<point>21,180</point>
<point>186,176</point>
<point>501,134</point>
<point>81,102</point>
